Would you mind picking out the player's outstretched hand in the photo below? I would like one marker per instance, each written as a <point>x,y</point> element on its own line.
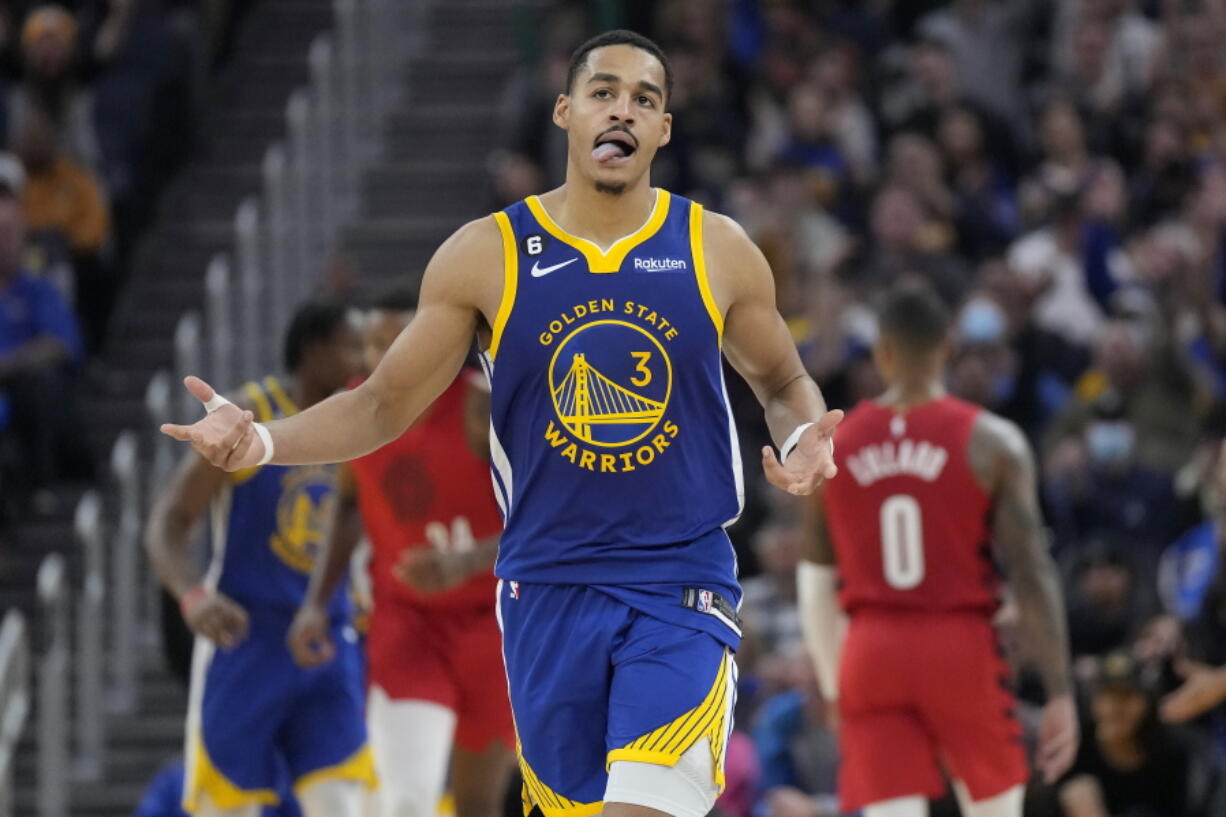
<point>225,436</point>
<point>1203,688</point>
<point>218,618</point>
<point>308,639</point>
<point>811,461</point>
<point>1059,734</point>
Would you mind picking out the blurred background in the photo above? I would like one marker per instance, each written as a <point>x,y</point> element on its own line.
<point>178,174</point>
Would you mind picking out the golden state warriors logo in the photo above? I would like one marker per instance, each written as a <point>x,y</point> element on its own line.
<point>303,510</point>
<point>610,382</point>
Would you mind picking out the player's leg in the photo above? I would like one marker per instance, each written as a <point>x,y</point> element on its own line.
<point>910,806</point>
<point>971,715</point>
<point>479,780</point>
<point>670,715</point>
<point>333,798</point>
<point>557,642</point>
<point>323,736</point>
<point>1006,804</point>
<point>484,754</point>
<point>888,760</point>
<point>207,808</point>
<point>411,741</point>
<point>235,706</point>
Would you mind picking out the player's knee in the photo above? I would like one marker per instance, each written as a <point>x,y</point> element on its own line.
<point>333,798</point>
<point>478,804</point>
<point>406,800</point>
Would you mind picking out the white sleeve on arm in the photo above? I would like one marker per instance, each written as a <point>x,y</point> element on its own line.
<point>822,623</point>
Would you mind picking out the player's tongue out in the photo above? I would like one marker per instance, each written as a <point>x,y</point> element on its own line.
<point>609,150</point>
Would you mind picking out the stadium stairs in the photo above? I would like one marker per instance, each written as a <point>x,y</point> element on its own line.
<point>430,179</point>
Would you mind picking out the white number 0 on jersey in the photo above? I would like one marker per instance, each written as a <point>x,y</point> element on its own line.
<point>902,542</point>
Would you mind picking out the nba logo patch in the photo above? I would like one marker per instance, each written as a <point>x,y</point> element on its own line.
<point>514,590</point>
<point>706,601</point>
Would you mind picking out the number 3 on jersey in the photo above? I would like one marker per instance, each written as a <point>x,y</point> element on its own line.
<point>902,542</point>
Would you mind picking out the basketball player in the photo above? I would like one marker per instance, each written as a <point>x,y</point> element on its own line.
<point>433,657</point>
<point>602,308</point>
<point>925,483</point>
<point>254,715</point>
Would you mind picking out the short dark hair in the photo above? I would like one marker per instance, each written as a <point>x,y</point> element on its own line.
<point>619,36</point>
<point>914,315</point>
<point>314,322</point>
<point>396,299</point>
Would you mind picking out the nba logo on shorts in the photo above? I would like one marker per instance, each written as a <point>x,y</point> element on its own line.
<point>514,590</point>
<point>705,599</point>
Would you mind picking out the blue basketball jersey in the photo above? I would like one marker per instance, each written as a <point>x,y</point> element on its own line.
<point>613,449</point>
<point>269,522</point>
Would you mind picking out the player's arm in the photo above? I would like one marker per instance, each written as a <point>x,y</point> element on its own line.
<point>1017,532</point>
<point>308,639</point>
<point>173,517</point>
<point>822,622</point>
<point>759,346</point>
<point>421,363</point>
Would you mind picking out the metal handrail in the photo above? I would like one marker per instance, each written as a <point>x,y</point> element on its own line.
<point>188,360</point>
<point>218,312</point>
<point>14,699</point>
<point>125,575</point>
<point>89,723</point>
<point>53,668</point>
<point>250,287</point>
<point>276,239</point>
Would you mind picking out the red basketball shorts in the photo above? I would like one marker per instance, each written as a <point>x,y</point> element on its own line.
<point>450,657</point>
<point>920,692</point>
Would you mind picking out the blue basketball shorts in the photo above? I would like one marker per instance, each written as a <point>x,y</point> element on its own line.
<point>255,716</point>
<point>594,681</point>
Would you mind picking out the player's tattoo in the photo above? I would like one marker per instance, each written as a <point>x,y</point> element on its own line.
<point>1020,543</point>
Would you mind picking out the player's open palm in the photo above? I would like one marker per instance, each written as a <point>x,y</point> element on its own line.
<point>1059,735</point>
<point>810,462</point>
<point>225,436</point>
<point>218,618</point>
<point>309,641</point>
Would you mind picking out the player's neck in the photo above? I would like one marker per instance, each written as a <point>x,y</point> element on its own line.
<point>582,210</point>
<point>903,395</point>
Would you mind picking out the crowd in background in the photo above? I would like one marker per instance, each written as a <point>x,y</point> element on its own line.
<point>1056,171</point>
<point>98,108</point>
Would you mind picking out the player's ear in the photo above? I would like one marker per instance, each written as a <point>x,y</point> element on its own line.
<point>668,129</point>
<point>561,112</point>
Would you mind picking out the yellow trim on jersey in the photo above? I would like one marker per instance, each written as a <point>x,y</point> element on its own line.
<point>263,413</point>
<point>360,766</point>
<point>609,260</point>
<point>710,719</point>
<point>284,404</point>
<point>549,801</point>
<point>700,270</point>
<point>510,281</point>
<point>206,778</point>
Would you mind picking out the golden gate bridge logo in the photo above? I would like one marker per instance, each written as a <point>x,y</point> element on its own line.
<point>593,406</point>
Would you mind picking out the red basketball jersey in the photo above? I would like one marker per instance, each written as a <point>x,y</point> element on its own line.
<point>906,515</point>
<point>427,475</point>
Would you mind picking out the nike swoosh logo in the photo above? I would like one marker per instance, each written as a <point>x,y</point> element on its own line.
<point>539,272</point>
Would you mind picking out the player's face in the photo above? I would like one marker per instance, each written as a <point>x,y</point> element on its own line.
<point>382,329</point>
<point>339,360</point>
<point>614,115</point>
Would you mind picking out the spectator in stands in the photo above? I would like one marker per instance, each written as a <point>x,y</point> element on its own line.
<point>1098,486</point>
<point>49,84</point>
<point>66,213</point>
<point>985,202</point>
<point>40,344</point>
<point>905,240</point>
<point>1108,602</point>
<point>1128,764</point>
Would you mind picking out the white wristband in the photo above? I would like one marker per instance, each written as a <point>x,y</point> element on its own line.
<point>262,432</point>
<point>789,445</point>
